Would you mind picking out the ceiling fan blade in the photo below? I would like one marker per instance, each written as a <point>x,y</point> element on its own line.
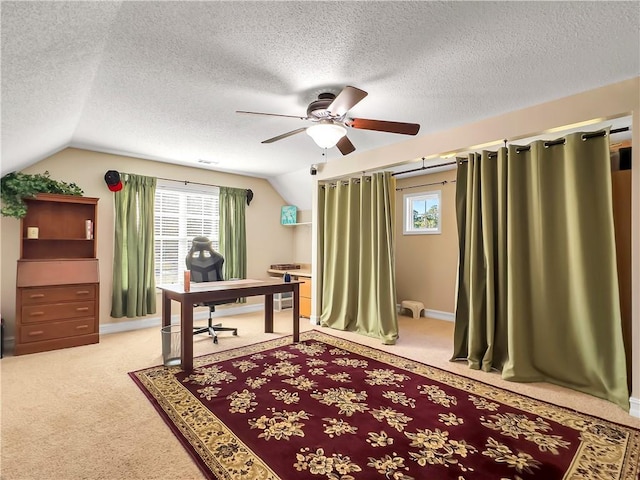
<point>284,135</point>
<point>384,126</point>
<point>345,146</point>
<point>272,114</point>
<point>346,100</point>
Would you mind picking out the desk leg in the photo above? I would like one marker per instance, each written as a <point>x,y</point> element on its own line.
<point>186,336</point>
<point>296,313</point>
<point>166,310</point>
<point>268,313</point>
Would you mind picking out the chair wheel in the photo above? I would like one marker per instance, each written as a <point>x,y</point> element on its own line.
<point>215,339</point>
<point>235,333</point>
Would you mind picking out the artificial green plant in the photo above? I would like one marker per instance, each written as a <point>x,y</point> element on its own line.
<point>17,186</point>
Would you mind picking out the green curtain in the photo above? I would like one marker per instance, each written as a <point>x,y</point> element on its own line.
<point>538,288</point>
<point>134,286</point>
<point>358,267</point>
<point>480,202</point>
<point>233,232</point>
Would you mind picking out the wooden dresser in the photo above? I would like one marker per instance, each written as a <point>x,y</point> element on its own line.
<point>57,298</point>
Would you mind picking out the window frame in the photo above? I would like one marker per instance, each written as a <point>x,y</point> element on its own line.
<point>184,235</point>
<point>408,227</point>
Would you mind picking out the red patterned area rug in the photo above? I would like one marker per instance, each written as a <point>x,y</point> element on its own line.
<point>329,408</point>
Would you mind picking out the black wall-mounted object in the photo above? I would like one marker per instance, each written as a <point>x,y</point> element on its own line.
<point>625,158</point>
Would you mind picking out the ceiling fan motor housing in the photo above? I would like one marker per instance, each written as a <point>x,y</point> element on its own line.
<point>318,108</point>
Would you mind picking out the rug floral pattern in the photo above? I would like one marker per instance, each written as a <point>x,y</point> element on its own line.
<point>329,408</point>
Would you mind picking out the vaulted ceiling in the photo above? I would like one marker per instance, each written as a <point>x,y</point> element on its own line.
<point>163,80</point>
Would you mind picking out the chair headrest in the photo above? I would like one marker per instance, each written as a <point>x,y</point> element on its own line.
<point>201,243</point>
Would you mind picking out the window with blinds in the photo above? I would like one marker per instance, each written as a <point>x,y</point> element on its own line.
<point>182,212</point>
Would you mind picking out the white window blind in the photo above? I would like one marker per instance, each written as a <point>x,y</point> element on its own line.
<point>182,212</point>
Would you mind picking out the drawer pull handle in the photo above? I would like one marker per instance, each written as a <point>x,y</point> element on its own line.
<point>82,327</point>
<point>82,292</point>
<point>35,333</point>
<point>36,314</point>
<point>36,295</point>
<point>82,309</point>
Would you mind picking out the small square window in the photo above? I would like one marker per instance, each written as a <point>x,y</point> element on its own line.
<point>422,214</point>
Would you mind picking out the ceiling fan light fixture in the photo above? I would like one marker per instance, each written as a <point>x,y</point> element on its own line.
<point>326,135</point>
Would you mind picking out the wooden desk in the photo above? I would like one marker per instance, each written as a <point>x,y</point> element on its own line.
<point>226,290</point>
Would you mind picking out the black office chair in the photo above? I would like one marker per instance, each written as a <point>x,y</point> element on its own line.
<point>205,265</point>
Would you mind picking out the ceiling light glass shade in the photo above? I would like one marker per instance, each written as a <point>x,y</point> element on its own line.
<point>326,135</point>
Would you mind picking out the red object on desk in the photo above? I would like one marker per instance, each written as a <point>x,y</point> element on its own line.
<point>187,280</point>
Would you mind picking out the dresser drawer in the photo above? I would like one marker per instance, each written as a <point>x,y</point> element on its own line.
<point>57,311</point>
<point>31,296</point>
<point>53,330</point>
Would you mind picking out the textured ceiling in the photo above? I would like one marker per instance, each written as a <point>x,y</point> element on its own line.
<point>162,80</point>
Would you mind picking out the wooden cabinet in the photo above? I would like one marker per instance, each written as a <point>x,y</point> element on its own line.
<point>305,297</point>
<point>57,299</point>
<point>305,287</point>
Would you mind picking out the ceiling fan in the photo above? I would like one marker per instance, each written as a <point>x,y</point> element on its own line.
<point>329,116</point>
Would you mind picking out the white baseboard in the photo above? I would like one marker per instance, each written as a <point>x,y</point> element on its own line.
<point>435,314</point>
<point>8,344</point>
<point>156,321</point>
<point>439,315</point>
<point>634,409</point>
<point>175,319</point>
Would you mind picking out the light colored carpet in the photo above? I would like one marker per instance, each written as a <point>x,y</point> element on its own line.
<point>76,414</point>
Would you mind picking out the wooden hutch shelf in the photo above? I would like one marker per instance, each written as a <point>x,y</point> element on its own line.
<point>57,276</point>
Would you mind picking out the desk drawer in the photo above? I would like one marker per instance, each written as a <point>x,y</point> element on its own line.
<point>33,296</point>
<point>57,311</point>
<point>53,330</point>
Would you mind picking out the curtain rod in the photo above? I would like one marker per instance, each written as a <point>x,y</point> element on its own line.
<point>248,191</point>
<point>561,141</point>
<point>343,182</point>
<point>585,136</point>
<point>444,182</point>
<point>423,167</point>
<point>186,182</point>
